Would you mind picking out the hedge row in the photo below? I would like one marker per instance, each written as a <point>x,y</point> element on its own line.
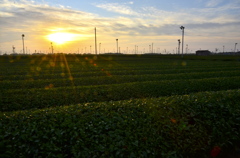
<point>176,126</point>
<point>104,80</point>
<point>50,96</point>
<point>38,74</point>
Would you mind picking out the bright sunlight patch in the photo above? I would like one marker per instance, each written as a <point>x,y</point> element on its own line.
<point>61,37</point>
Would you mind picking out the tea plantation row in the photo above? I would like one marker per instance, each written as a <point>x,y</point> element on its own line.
<point>119,106</point>
<point>55,80</point>
<point>113,79</point>
<point>176,126</point>
<point>41,98</point>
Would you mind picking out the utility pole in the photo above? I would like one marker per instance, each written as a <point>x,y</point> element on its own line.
<point>13,49</point>
<point>179,43</point>
<point>117,45</point>
<point>95,41</point>
<point>182,28</point>
<point>23,43</point>
<point>186,48</point>
<point>235,47</point>
<point>99,48</point>
<point>152,47</point>
<point>51,47</point>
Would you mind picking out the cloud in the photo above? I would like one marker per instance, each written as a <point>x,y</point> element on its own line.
<point>37,20</point>
<point>117,8</point>
<point>213,3</point>
<point>145,20</point>
<point>22,14</point>
<point>152,15</point>
<point>131,2</point>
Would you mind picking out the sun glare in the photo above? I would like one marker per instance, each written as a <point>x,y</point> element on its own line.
<point>61,37</point>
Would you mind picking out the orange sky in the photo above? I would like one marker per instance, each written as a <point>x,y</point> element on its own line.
<point>208,25</point>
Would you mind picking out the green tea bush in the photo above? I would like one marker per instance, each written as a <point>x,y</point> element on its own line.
<point>119,106</point>
<point>113,79</point>
<point>175,126</point>
<point>40,98</point>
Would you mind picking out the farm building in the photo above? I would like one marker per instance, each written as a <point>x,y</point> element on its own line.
<point>203,52</point>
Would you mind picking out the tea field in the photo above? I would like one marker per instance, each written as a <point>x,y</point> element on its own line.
<point>119,106</point>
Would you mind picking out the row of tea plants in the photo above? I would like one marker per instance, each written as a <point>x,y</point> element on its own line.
<point>119,106</point>
<point>176,126</point>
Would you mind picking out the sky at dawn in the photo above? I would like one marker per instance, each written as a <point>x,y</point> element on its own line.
<point>137,24</point>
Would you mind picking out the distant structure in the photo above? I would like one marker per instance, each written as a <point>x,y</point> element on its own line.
<point>179,43</point>
<point>203,52</point>
<point>95,40</point>
<point>182,28</point>
<point>13,49</point>
<point>117,45</point>
<point>235,47</point>
<point>51,48</point>
<point>23,43</point>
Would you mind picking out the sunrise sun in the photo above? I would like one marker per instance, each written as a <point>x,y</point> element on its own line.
<point>61,37</point>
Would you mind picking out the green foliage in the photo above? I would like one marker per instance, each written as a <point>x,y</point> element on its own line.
<point>183,125</point>
<point>118,106</point>
<point>20,99</point>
